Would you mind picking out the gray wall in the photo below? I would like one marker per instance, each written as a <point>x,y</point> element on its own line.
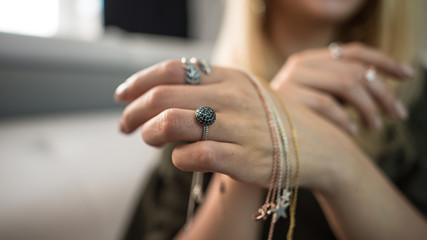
<point>40,75</point>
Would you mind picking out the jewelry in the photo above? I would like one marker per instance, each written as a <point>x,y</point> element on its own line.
<point>288,197</point>
<point>370,75</point>
<point>192,76</point>
<point>282,198</point>
<point>264,210</point>
<point>205,116</point>
<point>335,50</point>
<point>294,191</point>
<point>203,65</point>
<point>273,203</point>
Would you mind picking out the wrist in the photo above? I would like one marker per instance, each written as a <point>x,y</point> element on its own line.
<point>228,185</point>
<point>338,175</point>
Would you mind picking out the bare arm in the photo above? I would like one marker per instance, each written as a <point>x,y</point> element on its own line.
<point>227,215</point>
<point>358,200</point>
<point>363,204</point>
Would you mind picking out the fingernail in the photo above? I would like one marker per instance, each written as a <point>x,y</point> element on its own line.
<point>353,129</point>
<point>407,70</point>
<point>401,110</point>
<point>123,127</point>
<point>378,123</point>
<point>121,89</point>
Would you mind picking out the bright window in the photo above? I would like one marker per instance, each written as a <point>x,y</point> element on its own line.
<point>30,17</point>
<point>80,19</point>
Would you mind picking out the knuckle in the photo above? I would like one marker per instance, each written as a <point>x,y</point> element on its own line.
<point>296,58</point>
<point>348,84</point>
<point>353,48</point>
<point>156,95</point>
<point>168,121</point>
<point>206,155</point>
<point>171,68</point>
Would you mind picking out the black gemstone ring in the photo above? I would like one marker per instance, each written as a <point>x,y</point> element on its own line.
<point>205,116</point>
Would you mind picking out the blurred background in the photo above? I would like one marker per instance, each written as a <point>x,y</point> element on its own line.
<point>65,170</point>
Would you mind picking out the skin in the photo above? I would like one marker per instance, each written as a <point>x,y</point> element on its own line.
<point>239,146</point>
<point>323,84</point>
<point>359,202</point>
<point>328,86</point>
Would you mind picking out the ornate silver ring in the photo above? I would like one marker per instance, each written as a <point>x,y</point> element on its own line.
<point>335,50</point>
<point>205,116</point>
<point>192,76</point>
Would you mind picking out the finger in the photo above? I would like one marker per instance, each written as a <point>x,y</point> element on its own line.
<point>162,97</point>
<point>386,99</point>
<point>206,156</point>
<point>380,93</point>
<point>164,73</point>
<point>344,67</point>
<point>326,106</point>
<point>349,88</point>
<point>175,124</point>
<point>371,56</point>
<point>227,158</point>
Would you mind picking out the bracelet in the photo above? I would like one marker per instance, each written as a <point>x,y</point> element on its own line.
<point>282,198</point>
<point>287,197</point>
<point>294,199</point>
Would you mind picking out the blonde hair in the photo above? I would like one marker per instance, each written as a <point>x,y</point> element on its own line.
<point>382,24</point>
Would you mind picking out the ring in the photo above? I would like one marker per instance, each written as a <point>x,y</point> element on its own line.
<point>205,116</point>
<point>192,76</point>
<point>335,50</point>
<point>203,64</point>
<point>370,75</point>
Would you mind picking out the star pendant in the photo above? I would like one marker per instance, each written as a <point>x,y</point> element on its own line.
<point>280,211</point>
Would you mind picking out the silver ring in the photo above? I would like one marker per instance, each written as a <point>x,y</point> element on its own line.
<point>192,76</point>
<point>370,74</point>
<point>335,50</point>
<point>205,116</point>
<point>203,64</point>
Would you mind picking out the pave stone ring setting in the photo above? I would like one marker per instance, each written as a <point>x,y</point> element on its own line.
<point>205,116</point>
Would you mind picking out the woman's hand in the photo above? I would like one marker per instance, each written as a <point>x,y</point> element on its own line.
<point>239,142</point>
<point>315,79</point>
<point>351,191</point>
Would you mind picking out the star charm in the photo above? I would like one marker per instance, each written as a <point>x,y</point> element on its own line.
<point>286,197</point>
<point>280,211</point>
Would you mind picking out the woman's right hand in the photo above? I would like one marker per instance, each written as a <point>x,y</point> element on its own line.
<point>315,79</point>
